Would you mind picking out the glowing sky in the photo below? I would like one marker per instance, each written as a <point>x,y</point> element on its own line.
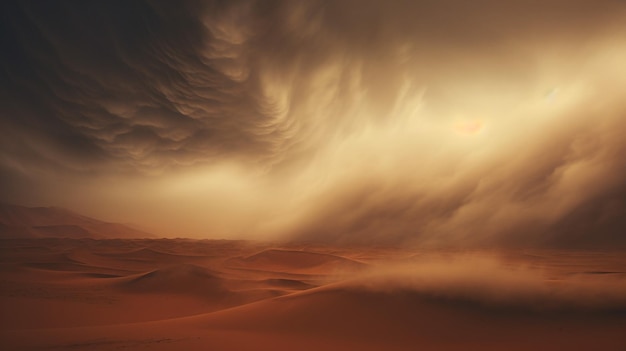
<point>431,122</point>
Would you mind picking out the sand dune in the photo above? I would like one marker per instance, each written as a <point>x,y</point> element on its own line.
<point>405,318</point>
<point>148,254</point>
<point>346,317</point>
<point>297,262</point>
<point>182,278</point>
<point>84,294</point>
<point>289,284</point>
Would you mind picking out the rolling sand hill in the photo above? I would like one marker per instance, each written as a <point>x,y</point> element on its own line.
<point>306,262</point>
<point>85,294</point>
<point>182,278</point>
<point>44,222</point>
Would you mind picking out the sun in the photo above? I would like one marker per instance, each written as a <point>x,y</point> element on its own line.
<point>468,127</point>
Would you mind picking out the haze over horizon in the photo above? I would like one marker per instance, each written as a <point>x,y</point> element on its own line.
<point>437,123</point>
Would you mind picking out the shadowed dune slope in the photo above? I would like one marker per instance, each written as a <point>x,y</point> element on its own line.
<point>344,317</point>
<point>288,284</point>
<point>296,261</point>
<point>181,278</point>
<point>405,319</point>
<point>148,254</point>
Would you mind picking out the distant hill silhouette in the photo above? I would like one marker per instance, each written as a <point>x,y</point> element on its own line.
<point>45,222</point>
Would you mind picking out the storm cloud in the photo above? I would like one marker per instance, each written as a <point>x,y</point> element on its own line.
<point>425,122</point>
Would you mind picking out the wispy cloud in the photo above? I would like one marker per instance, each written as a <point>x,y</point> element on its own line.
<point>429,122</point>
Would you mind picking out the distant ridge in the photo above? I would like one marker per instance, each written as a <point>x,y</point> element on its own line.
<point>55,222</point>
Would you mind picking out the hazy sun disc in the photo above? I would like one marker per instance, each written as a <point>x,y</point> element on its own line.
<point>468,127</point>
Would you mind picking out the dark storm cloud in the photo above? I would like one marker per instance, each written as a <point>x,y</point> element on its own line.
<point>149,84</point>
<point>124,82</point>
<point>348,108</point>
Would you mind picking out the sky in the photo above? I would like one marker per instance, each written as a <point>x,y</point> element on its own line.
<point>434,123</point>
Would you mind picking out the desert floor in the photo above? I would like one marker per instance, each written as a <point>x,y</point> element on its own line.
<point>181,294</point>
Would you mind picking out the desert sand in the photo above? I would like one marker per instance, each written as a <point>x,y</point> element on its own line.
<point>183,294</point>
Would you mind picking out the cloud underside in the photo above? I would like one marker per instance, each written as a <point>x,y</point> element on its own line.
<point>431,122</point>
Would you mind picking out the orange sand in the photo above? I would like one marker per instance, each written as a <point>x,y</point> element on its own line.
<point>85,294</point>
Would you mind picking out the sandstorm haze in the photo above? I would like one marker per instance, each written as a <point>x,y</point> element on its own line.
<point>425,122</point>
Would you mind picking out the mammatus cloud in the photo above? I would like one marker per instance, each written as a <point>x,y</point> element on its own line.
<point>137,86</point>
<point>429,122</point>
